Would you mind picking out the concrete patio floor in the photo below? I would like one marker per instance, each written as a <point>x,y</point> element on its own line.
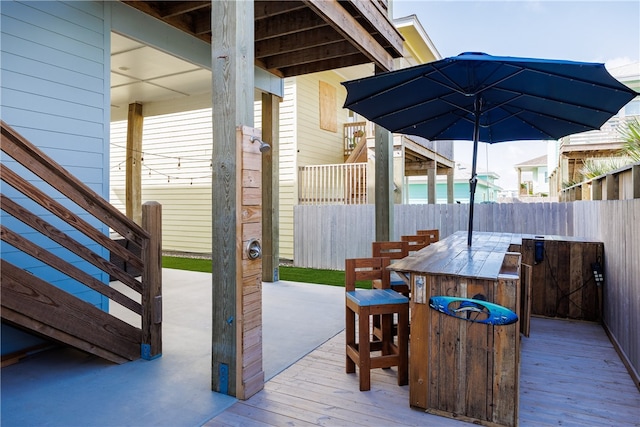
<point>66,387</point>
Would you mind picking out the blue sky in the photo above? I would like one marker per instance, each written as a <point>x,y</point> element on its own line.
<point>591,31</point>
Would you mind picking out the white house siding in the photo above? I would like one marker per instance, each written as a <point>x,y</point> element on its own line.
<point>176,172</point>
<point>288,167</point>
<point>54,87</point>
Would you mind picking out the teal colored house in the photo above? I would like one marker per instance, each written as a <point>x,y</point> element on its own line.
<point>486,190</point>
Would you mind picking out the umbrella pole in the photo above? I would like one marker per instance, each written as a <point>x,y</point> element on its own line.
<point>474,178</point>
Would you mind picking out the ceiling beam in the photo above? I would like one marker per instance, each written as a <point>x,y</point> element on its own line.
<point>325,65</point>
<point>336,16</point>
<point>270,8</point>
<point>305,56</point>
<point>181,22</point>
<point>293,42</point>
<point>372,14</point>
<point>289,23</point>
<point>174,8</point>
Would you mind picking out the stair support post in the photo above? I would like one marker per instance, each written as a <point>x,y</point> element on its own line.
<point>151,346</point>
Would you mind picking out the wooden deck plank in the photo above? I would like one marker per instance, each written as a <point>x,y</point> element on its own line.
<point>570,375</point>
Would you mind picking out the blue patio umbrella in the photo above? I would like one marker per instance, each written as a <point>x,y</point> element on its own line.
<point>479,97</point>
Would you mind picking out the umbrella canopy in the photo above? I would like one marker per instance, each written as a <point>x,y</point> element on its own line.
<point>479,97</point>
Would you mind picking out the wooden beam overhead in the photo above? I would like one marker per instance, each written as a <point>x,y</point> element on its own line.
<point>335,15</point>
<point>293,42</point>
<point>268,9</point>
<point>182,21</point>
<point>290,23</point>
<point>306,56</point>
<point>370,12</point>
<point>174,8</point>
<point>329,64</point>
<point>299,29</point>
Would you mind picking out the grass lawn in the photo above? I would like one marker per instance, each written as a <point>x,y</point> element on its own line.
<point>294,274</point>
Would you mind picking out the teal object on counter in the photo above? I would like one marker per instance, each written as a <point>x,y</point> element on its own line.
<point>473,310</point>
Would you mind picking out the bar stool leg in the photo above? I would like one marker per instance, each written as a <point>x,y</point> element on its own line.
<point>364,349</point>
<point>350,337</point>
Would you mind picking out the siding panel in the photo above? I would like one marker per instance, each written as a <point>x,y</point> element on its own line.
<point>176,172</point>
<point>55,72</point>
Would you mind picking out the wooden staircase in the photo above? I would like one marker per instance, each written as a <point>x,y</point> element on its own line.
<point>29,301</point>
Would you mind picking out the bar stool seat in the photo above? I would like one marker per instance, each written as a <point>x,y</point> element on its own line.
<point>367,297</point>
<point>367,303</point>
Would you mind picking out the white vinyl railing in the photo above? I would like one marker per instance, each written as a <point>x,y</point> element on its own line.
<point>336,184</point>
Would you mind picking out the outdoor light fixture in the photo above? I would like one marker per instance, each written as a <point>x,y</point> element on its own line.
<point>598,275</point>
<point>264,147</point>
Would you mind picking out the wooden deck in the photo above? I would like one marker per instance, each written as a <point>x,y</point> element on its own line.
<point>570,375</point>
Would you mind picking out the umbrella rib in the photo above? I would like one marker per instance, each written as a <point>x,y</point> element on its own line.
<point>522,69</point>
<point>448,113</point>
<point>549,116</point>
<point>558,100</point>
<point>392,88</point>
<point>588,82</point>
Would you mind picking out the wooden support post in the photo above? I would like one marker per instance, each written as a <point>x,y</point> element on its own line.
<point>431,186</point>
<point>384,181</point>
<point>585,191</point>
<point>635,181</point>
<point>612,187</point>
<point>133,164</point>
<point>152,282</point>
<point>398,188</point>
<point>596,189</point>
<point>232,63</point>
<point>270,189</point>
<point>450,186</point>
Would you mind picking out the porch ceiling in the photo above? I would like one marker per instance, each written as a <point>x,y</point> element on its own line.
<point>299,37</point>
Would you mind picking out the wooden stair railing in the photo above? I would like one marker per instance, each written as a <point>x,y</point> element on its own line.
<point>30,302</point>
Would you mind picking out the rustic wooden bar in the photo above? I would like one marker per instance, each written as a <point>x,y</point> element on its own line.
<point>458,368</point>
<point>563,282</point>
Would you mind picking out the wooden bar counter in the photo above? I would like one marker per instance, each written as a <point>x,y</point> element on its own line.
<point>458,368</point>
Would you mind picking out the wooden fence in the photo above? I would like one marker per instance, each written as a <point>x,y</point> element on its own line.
<point>620,184</point>
<point>325,235</point>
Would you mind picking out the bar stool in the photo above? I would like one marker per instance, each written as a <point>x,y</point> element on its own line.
<point>434,235</point>
<point>393,251</point>
<point>416,242</point>
<point>373,302</point>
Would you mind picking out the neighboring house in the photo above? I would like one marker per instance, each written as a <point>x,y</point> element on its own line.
<point>313,131</point>
<point>533,177</point>
<point>574,150</point>
<point>486,190</point>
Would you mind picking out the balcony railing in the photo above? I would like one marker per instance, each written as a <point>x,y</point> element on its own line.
<point>608,133</point>
<point>344,183</point>
<point>353,133</point>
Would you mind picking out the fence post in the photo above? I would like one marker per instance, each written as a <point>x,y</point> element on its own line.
<point>152,282</point>
<point>635,181</point>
